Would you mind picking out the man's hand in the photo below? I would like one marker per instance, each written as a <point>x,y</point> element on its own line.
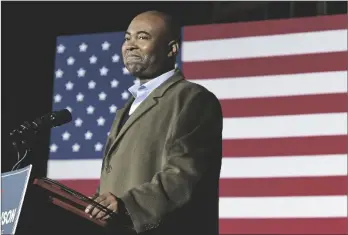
<point>108,200</point>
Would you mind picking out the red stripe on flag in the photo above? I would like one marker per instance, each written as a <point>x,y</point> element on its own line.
<point>284,226</point>
<point>87,187</point>
<point>274,187</point>
<point>266,27</point>
<point>288,146</point>
<point>304,186</point>
<point>331,185</point>
<point>307,63</point>
<point>288,105</point>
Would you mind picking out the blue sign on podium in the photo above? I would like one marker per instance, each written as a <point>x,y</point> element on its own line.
<point>13,188</point>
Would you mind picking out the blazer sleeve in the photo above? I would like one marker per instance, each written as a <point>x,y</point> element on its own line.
<point>194,144</point>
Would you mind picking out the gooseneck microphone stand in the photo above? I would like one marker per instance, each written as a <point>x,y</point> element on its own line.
<point>20,143</point>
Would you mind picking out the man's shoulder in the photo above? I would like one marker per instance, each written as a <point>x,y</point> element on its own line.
<point>188,90</point>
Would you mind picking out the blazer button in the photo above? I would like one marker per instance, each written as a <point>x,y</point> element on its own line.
<point>108,169</point>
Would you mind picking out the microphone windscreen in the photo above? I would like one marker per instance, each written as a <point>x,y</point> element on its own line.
<point>61,117</point>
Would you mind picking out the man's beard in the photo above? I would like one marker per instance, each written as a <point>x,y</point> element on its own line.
<point>143,69</point>
<point>135,69</point>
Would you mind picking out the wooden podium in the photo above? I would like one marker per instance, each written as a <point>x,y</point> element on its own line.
<point>51,208</point>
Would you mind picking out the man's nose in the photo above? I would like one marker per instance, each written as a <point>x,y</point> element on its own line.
<point>130,45</point>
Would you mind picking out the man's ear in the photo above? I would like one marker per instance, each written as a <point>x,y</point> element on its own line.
<point>173,48</point>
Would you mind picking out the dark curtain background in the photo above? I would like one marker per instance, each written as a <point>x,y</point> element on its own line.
<point>29,32</point>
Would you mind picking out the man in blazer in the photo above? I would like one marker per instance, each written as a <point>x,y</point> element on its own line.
<point>162,159</point>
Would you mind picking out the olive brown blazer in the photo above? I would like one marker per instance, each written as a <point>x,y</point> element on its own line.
<point>164,162</point>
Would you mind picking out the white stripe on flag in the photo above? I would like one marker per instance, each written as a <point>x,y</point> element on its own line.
<point>66,169</point>
<point>285,126</point>
<point>290,166</point>
<point>284,207</point>
<point>260,46</point>
<point>244,167</point>
<point>277,85</point>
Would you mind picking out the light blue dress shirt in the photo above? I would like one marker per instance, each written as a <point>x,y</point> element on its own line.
<point>140,92</point>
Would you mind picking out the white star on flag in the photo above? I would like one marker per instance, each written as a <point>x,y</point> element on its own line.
<point>75,147</point>
<point>83,47</point>
<point>125,95</point>
<point>69,86</point>
<point>103,71</point>
<point>98,147</point>
<point>102,96</point>
<point>59,73</point>
<point>101,121</point>
<point>69,108</point>
<point>125,70</point>
<point>81,72</point>
<point>60,48</point>
<point>88,135</point>
<point>115,58</point>
<point>105,46</point>
<point>70,60</point>
<point>114,83</point>
<point>57,98</point>
<point>79,97</point>
<point>78,122</point>
<point>93,59</point>
<point>53,148</point>
<point>90,109</point>
<point>91,84</point>
<point>137,82</point>
<point>112,109</point>
<point>66,135</point>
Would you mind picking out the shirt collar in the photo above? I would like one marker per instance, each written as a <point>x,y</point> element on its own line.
<point>150,85</point>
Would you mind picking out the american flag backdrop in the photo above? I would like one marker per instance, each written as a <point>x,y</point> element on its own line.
<point>283,89</point>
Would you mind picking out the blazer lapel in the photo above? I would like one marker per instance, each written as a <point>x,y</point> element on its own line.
<point>119,117</point>
<point>143,108</point>
<point>116,126</point>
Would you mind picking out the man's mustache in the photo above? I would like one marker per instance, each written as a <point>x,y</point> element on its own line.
<point>132,55</point>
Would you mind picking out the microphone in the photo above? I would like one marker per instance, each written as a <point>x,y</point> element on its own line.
<point>23,136</point>
<point>29,130</point>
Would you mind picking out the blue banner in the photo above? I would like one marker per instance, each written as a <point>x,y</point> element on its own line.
<point>13,188</point>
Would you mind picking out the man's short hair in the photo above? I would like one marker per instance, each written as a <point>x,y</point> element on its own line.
<point>174,28</point>
<point>172,25</point>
